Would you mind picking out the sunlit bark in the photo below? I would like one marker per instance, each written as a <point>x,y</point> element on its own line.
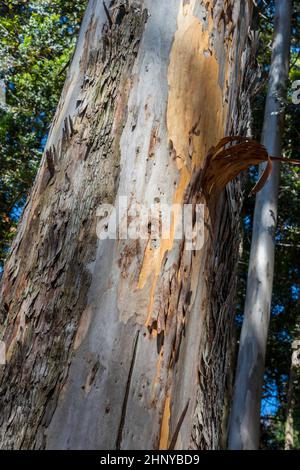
<point>245,415</point>
<point>125,343</point>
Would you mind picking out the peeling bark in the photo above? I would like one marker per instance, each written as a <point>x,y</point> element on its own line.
<point>119,343</point>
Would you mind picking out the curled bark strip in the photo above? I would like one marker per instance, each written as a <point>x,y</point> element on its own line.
<point>232,155</point>
<point>263,178</point>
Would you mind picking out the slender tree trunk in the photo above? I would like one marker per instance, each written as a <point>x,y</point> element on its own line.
<point>245,415</point>
<point>125,343</point>
<point>293,397</point>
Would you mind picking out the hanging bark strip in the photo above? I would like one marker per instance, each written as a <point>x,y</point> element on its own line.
<point>227,159</point>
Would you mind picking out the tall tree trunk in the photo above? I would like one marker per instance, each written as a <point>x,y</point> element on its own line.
<point>293,397</point>
<point>245,414</point>
<point>123,343</point>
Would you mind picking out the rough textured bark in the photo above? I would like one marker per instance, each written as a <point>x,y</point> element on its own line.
<point>245,415</point>
<point>120,343</point>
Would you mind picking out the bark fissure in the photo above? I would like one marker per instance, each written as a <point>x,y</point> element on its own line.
<point>177,429</point>
<point>50,293</point>
<point>125,400</point>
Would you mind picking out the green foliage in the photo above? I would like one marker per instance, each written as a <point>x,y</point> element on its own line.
<point>37,42</point>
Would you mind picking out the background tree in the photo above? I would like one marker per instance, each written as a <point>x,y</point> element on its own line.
<point>285,299</point>
<point>245,413</point>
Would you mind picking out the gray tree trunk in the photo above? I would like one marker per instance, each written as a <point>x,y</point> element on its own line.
<point>245,414</point>
<point>120,343</point>
<point>292,428</point>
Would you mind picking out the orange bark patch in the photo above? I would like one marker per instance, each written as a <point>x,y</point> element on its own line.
<point>195,118</point>
<point>195,115</point>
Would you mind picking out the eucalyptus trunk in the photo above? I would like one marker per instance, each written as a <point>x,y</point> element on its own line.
<point>245,415</point>
<point>292,428</point>
<point>121,343</point>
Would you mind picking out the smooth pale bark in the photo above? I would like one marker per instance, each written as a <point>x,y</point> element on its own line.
<point>124,343</point>
<point>293,398</point>
<point>245,415</point>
